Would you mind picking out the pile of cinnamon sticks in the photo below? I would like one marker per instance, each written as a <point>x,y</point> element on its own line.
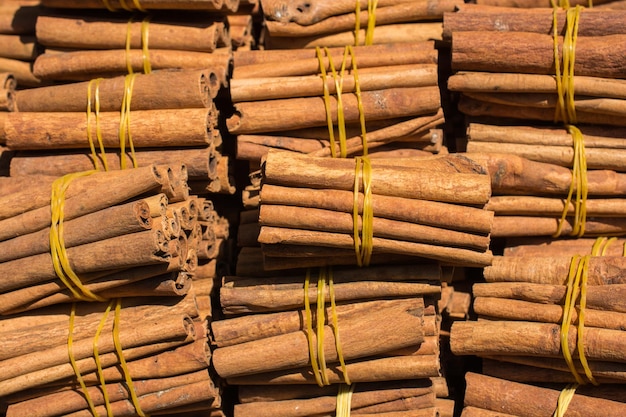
<point>290,25</point>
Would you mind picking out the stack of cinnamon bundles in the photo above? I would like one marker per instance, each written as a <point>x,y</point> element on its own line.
<point>130,238</point>
<point>18,45</point>
<point>285,332</point>
<point>279,100</point>
<point>290,25</point>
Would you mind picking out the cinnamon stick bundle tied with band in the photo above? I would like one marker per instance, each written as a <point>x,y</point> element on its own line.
<point>340,214</point>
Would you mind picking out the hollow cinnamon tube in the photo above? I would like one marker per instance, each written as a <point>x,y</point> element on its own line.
<point>551,247</point>
<point>505,226</point>
<point>22,48</point>
<point>527,400</point>
<point>295,113</point>
<point>22,71</point>
<point>291,350</point>
<point>86,65</point>
<point>95,32</point>
<point>542,206</point>
<point>186,89</point>
<point>596,56</point>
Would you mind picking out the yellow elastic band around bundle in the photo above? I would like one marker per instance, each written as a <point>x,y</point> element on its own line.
<point>579,183</point>
<point>371,22</point>
<point>124,129</point>
<point>338,77</point>
<point>95,84</point>
<point>565,108</point>
<point>344,400</point>
<point>316,350</point>
<point>363,242</point>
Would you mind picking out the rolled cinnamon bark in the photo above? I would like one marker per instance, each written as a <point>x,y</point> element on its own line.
<point>385,15</point>
<point>271,353</point>
<point>286,114</point>
<point>200,162</point>
<point>366,370</point>
<point>402,209</point>
<point>508,52</point>
<point>603,270</point>
<point>23,48</point>
<point>146,4</point>
<point>512,174</point>
<point>149,128</point>
<point>337,222</point>
<point>449,255</point>
<point>551,247</point>
<point>505,226</point>
<point>600,297</point>
<point>22,71</point>
<point>280,169</point>
<point>186,89</point>
<point>542,206</point>
<point>466,81</point>
<point>95,32</point>
<point>532,339</point>
<point>482,17</point>
<point>256,89</point>
<point>391,33</point>
<point>86,65</point>
<point>527,400</point>
<point>236,297</point>
<point>19,17</point>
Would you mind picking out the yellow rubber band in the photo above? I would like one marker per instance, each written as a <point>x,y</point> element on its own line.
<point>96,101</point>
<point>124,129</point>
<point>333,308</point>
<point>120,355</point>
<point>371,21</point>
<point>580,184</point>
<point>138,6</point>
<point>58,251</point>
<point>124,6</point>
<point>108,6</point>
<point>565,110</point>
<point>573,280</point>
<point>359,99</point>
<point>357,22</point>
<point>320,317</point>
<point>329,118</point>
<point>309,330</point>
<point>70,353</point>
<point>96,356</point>
<point>344,400</point>
<point>145,25</point>
<point>565,398</point>
<point>363,244</point>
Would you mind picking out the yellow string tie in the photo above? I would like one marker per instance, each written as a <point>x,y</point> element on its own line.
<point>565,110</point>
<point>341,120</point>
<point>309,330</point>
<point>120,355</point>
<point>327,106</point>
<point>124,129</point>
<point>145,25</point>
<point>357,22</point>
<point>129,63</point>
<point>580,184</point>
<point>371,21</point>
<point>321,319</point>
<point>359,98</point>
<point>96,356</point>
<point>58,251</point>
<point>363,242</point>
<point>333,309</point>
<point>70,353</point>
<point>573,282</point>
<point>96,104</point>
<point>344,400</point>
<point>565,398</point>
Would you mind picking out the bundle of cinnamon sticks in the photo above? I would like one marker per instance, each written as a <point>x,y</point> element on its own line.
<point>279,99</point>
<point>307,205</point>
<point>291,25</point>
<point>161,364</point>
<point>18,45</point>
